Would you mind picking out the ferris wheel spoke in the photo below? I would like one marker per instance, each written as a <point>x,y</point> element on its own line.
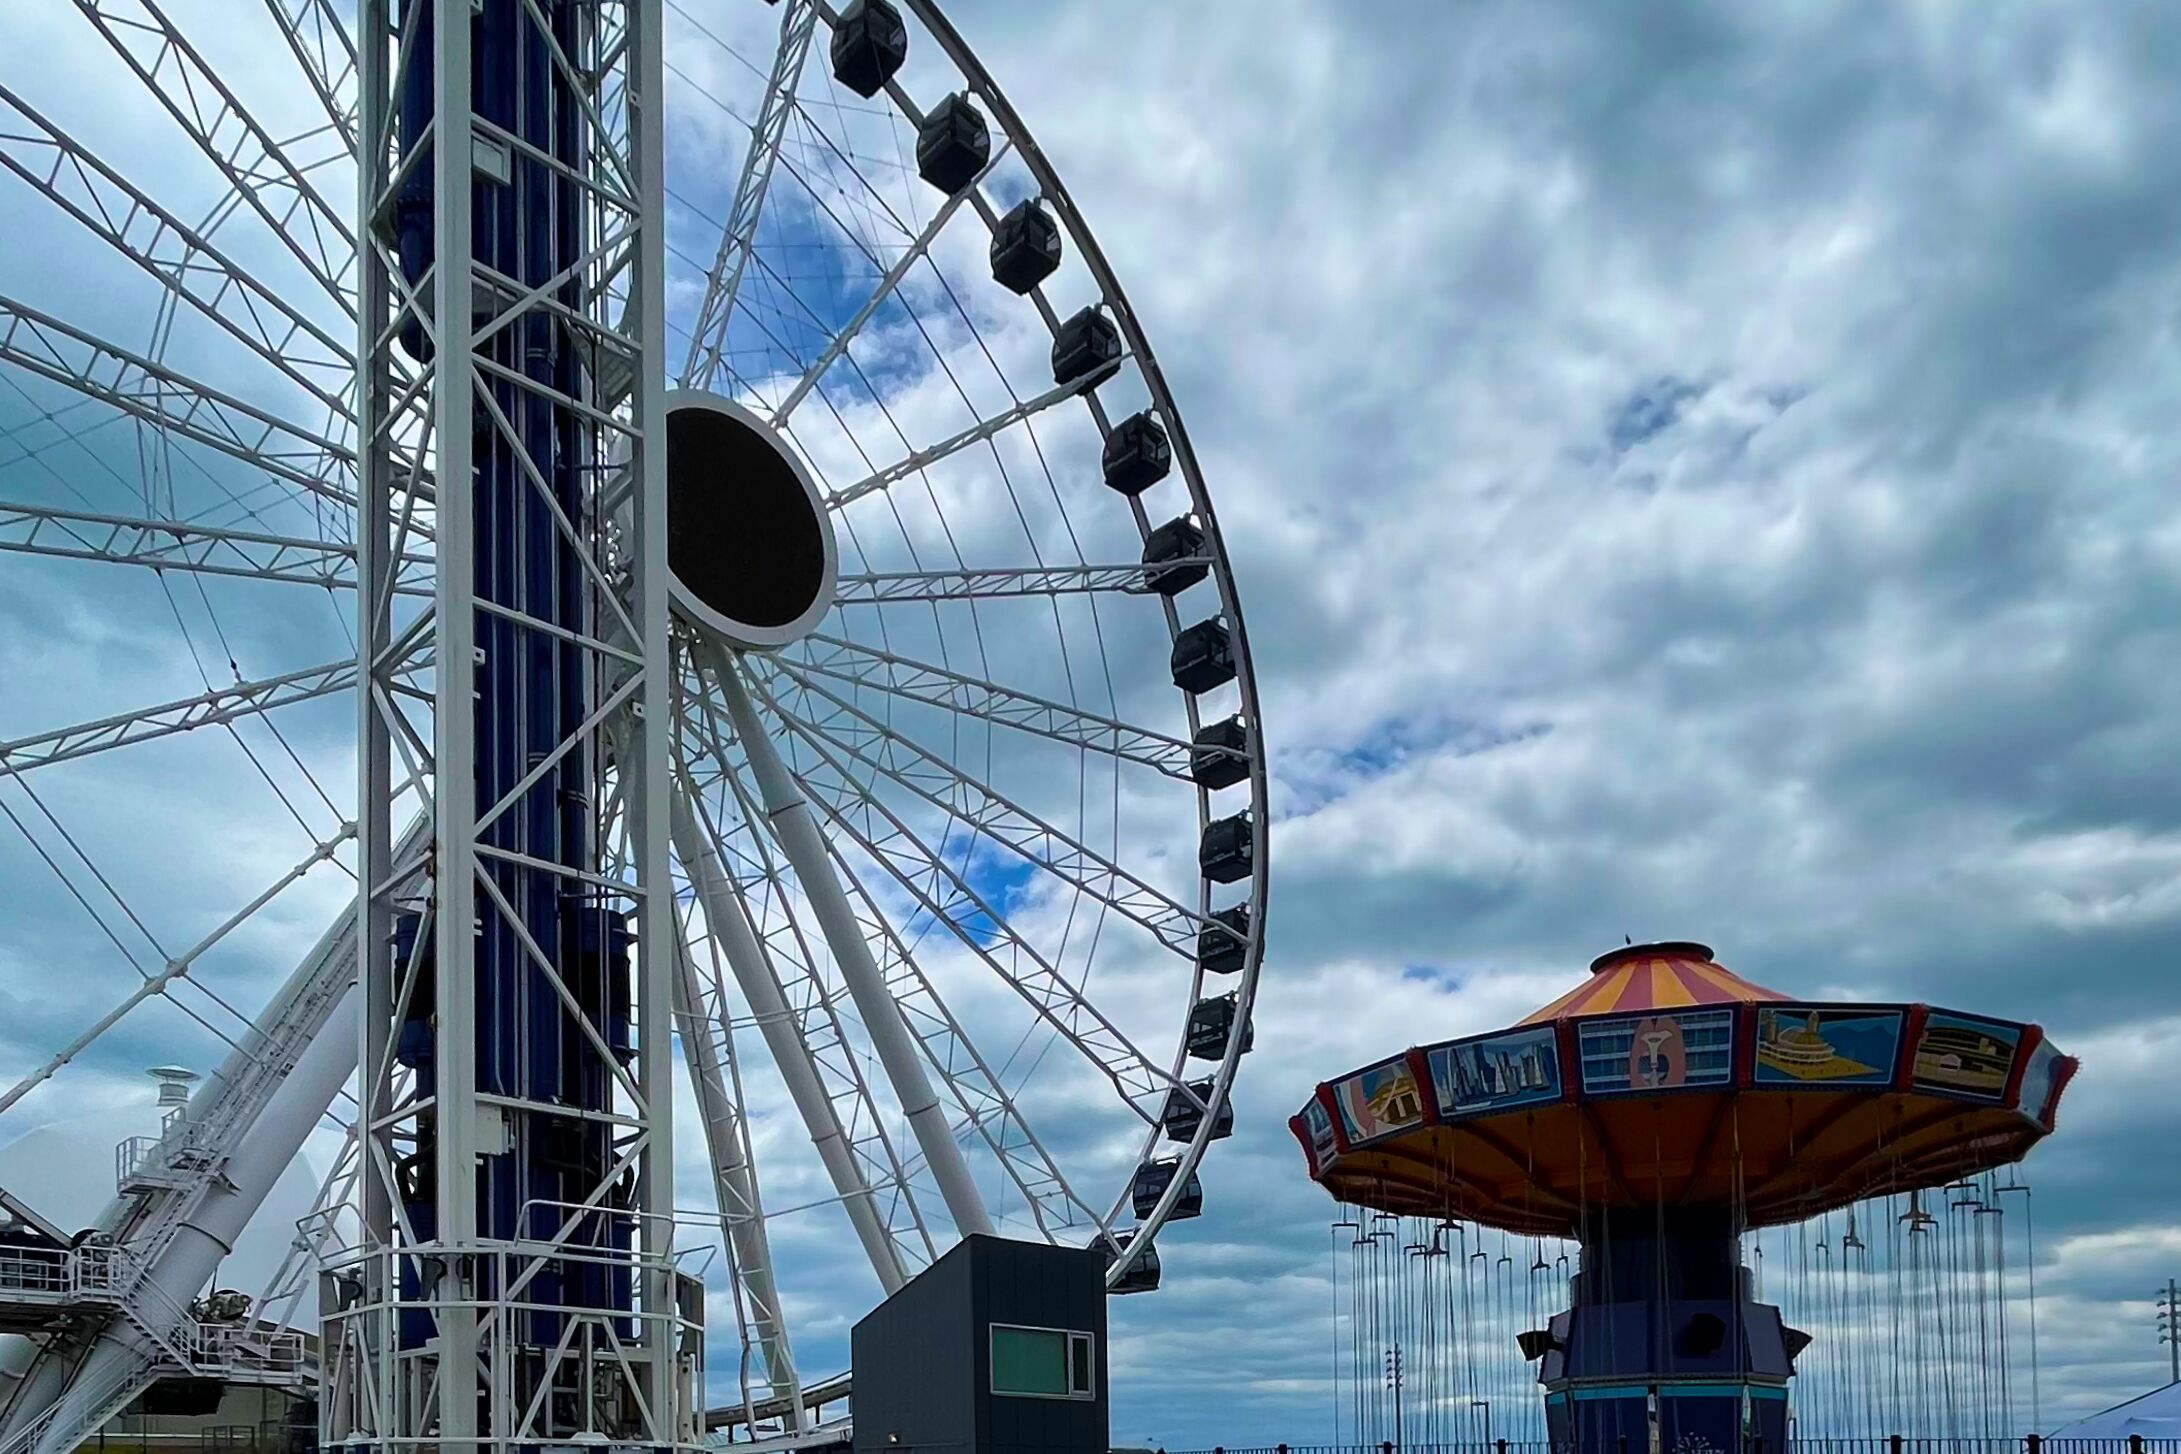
<point>724,281</point>
<point>325,54</point>
<point>188,546</point>
<point>171,401</point>
<point>887,587</point>
<point>871,742</point>
<point>715,1076</point>
<point>262,171</point>
<point>758,943</point>
<point>220,705</point>
<point>941,889</point>
<point>889,282</point>
<point>986,1106</point>
<point>788,820</point>
<point>976,433</point>
<point>180,259</point>
<point>855,664</point>
<point>161,982</point>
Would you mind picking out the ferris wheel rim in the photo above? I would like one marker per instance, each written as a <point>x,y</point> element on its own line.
<point>228,704</point>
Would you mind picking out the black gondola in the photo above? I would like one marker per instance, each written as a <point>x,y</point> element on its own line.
<point>1086,349</point>
<point>1211,1022</point>
<point>953,145</point>
<point>1137,454</point>
<point>1226,852</point>
<point>1152,1180</point>
<point>1025,247</point>
<point>1182,1115</point>
<point>1142,1272</point>
<point>1221,952</point>
<point>1203,657</point>
<point>1176,540</point>
<point>1219,754</point>
<point>869,45</point>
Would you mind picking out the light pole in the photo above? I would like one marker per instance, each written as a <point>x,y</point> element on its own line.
<point>1486,1405</point>
<point>2169,1326</point>
<point>1393,1382</point>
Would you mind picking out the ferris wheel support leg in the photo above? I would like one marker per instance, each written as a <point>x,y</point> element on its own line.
<point>734,1181</point>
<point>796,831</point>
<point>761,992</point>
<point>209,1234</point>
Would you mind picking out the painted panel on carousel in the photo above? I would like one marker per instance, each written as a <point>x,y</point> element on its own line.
<point>1379,1101</point>
<point>2041,1083</point>
<point>1962,1055</point>
<point>1812,1045</point>
<point>1319,1126</point>
<point>1634,1053</point>
<point>1515,1069</point>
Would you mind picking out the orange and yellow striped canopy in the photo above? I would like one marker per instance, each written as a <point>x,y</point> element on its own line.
<point>1653,977</point>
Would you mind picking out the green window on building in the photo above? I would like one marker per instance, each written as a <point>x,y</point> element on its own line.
<point>1042,1363</point>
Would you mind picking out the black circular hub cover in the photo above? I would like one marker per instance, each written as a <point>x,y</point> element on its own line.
<point>748,541</point>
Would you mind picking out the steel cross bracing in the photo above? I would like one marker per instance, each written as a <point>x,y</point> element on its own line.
<point>967,584</point>
<point>180,257</point>
<point>319,39</point>
<point>515,1283</point>
<point>857,665</point>
<point>273,177</point>
<point>173,402</point>
<point>188,545</point>
<point>721,285</point>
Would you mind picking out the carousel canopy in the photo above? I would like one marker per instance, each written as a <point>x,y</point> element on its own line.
<point>1665,1080</point>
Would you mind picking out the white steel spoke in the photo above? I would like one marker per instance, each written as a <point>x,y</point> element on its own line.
<point>724,282</point>
<point>869,741</point>
<point>325,54</point>
<point>185,545</point>
<point>859,665</point>
<point>169,400</point>
<point>276,184</point>
<point>990,585</point>
<point>183,261</point>
<point>986,1105</point>
<point>801,1026</point>
<point>788,816</point>
<point>207,709</point>
<point>715,1076</point>
<point>918,247</point>
<point>175,968</point>
<point>976,433</point>
<point>939,887</point>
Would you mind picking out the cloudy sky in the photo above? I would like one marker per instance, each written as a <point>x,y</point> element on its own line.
<point>1691,471</point>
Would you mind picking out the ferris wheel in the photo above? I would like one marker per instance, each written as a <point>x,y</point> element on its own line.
<point>963,788</point>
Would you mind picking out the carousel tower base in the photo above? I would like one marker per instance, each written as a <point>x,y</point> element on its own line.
<point>1663,1347</point>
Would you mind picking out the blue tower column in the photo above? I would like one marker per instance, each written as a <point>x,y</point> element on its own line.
<point>1663,1347</point>
<point>515,1283</point>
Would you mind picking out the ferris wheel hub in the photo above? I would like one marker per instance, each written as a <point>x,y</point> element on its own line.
<point>749,541</point>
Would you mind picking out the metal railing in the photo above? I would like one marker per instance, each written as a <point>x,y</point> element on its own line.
<point>1796,1444</point>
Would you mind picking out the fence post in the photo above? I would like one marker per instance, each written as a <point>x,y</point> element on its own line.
<point>2034,1442</point>
<point>1893,1443</point>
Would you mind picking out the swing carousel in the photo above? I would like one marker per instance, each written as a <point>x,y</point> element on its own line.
<point>1621,1149</point>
